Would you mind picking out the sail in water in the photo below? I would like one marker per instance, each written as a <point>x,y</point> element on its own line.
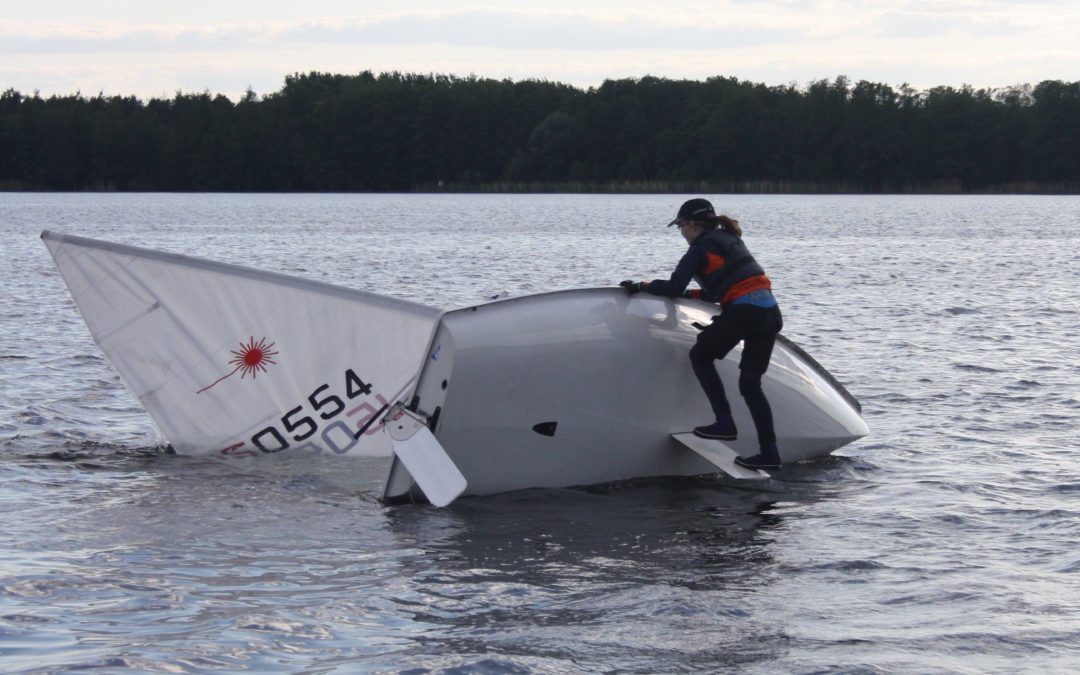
<point>235,361</point>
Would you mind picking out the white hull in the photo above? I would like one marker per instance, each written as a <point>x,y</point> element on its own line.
<point>611,373</point>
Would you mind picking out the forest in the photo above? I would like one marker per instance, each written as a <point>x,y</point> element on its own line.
<point>399,132</point>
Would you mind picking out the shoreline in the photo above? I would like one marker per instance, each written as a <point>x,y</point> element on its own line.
<point>781,187</point>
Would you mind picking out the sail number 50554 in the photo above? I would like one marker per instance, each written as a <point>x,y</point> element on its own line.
<point>300,429</point>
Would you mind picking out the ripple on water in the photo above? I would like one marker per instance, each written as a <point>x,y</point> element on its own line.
<point>959,311</point>
<point>975,368</point>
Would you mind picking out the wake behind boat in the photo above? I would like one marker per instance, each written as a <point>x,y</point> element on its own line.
<point>558,389</point>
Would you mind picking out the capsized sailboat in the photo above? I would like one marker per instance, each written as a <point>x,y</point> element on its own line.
<point>559,389</point>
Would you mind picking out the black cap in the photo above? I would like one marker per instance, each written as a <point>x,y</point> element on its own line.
<point>695,209</point>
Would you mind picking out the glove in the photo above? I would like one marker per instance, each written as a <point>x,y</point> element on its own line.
<point>631,286</point>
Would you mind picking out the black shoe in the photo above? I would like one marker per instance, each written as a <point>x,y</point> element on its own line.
<point>756,462</point>
<point>720,430</point>
<point>771,454</point>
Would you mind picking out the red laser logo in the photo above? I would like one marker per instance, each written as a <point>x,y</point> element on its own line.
<point>250,359</point>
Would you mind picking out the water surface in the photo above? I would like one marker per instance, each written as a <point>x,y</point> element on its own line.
<point>943,542</point>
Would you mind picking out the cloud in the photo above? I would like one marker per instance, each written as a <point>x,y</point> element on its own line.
<point>114,38</point>
<point>735,24</point>
<point>925,42</point>
<point>922,25</point>
<point>485,28</point>
<point>501,29</point>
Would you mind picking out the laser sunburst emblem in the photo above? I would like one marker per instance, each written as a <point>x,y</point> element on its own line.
<point>250,359</point>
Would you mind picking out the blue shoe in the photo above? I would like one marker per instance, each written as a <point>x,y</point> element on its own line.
<point>720,430</point>
<point>756,462</point>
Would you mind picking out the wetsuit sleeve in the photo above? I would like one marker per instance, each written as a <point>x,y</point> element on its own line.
<point>680,278</point>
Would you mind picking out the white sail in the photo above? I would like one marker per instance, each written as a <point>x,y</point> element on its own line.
<point>235,361</point>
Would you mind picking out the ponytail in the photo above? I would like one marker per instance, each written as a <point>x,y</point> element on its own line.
<point>730,225</point>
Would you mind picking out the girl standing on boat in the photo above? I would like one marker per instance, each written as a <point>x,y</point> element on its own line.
<point>727,274</point>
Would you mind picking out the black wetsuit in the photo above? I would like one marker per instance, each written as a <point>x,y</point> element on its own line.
<point>728,274</point>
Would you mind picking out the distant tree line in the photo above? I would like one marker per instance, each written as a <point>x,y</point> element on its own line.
<point>402,132</point>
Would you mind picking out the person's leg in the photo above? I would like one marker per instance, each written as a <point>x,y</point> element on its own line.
<point>760,412</point>
<point>714,343</point>
<point>762,326</point>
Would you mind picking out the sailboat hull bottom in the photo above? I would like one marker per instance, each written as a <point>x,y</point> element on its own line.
<point>585,387</point>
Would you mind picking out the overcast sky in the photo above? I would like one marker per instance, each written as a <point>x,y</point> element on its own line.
<point>144,48</point>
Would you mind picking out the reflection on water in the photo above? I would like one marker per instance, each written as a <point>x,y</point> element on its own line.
<point>587,575</point>
<point>244,564</point>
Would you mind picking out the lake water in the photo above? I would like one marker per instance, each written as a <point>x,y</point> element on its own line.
<point>946,541</point>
